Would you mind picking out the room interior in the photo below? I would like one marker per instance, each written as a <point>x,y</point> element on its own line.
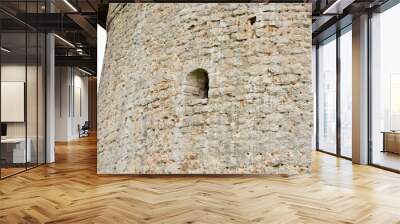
<point>22,101</point>
<point>26,62</point>
<point>49,84</point>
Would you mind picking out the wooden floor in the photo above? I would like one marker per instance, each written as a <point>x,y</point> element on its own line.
<point>5,172</point>
<point>386,159</point>
<point>69,191</point>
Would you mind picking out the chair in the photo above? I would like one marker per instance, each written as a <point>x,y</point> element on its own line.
<point>84,130</point>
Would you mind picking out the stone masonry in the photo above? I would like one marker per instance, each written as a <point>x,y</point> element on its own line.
<point>206,89</point>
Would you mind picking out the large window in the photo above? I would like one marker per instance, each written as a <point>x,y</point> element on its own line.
<point>346,92</point>
<point>385,89</point>
<point>334,73</point>
<point>327,95</point>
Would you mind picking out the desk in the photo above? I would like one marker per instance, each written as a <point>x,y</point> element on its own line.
<point>391,141</point>
<point>15,148</point>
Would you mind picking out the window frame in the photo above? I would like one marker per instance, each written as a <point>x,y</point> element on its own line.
<point>334,37</point>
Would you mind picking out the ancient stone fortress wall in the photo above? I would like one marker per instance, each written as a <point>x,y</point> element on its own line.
<point>206,89</point>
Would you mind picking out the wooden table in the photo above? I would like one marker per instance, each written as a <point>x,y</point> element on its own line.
<point>391,141</point>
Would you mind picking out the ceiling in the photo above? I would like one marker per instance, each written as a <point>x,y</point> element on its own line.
<point>332,15</point>
<point>73,21</point>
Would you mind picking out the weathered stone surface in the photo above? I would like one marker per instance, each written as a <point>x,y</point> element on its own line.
<point>258,116</point>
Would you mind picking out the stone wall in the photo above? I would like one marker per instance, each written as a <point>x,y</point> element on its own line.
<point>206,89</point>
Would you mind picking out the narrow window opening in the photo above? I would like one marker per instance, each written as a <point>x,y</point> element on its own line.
<point>197,84</point>
<point>252,20</point>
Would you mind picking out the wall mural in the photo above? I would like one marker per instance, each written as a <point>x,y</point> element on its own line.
<point>206,89</point>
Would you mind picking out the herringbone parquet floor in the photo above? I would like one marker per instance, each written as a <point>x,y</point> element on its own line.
<point>69,191</point>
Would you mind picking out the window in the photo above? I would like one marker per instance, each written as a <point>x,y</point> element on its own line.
<point>196,86</point>
<point>327,95</point>
<point>346,93</point>
<point>334,96</point>
<point>385,89</point>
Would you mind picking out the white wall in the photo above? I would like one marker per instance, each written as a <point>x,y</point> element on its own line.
<point>62,81</point>
<point>17,72</point>
<point>79,117</point>
<point>34,125</point>
<point>101,48</point>
<point>14,72</point>
<point>70,83</point>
